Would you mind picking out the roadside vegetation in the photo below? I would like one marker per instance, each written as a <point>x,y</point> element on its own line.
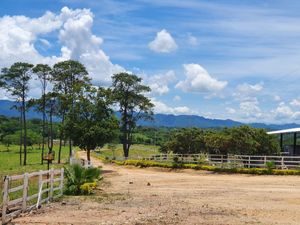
<point>218,169</point>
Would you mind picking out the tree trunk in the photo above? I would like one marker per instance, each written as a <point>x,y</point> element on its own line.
<point>50,144</point>
<point>126,151</point>
<point>88,155</point>
<point>61,135</point>
<point>25,129</point>
<point>21,137</point>
<point>70,149</point>
<point>44,124</point>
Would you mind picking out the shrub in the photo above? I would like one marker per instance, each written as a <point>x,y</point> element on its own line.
<point>257,171</point>
<point>87,188</point>
<point>270,166</point>
<point>78,178</point>
<point>202,159</point>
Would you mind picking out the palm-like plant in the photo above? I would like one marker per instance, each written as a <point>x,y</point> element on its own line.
<point>77,175</point>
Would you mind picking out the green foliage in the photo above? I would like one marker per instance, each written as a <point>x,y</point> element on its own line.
<point>15,80</point>
<point>237,140</point>
<point>270,165</point>
<point>78,177</point>
<point>128,93</point>
<point>256,171</point>
<point>93,122</point>
<point>186,141</point>
<point>87,188</point>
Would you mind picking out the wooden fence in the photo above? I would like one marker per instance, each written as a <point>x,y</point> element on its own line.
<point>248,161</point>
<point>48,185</point>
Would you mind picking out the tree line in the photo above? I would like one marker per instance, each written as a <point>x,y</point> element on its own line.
<point>237,140</point>
<point>85,111</point>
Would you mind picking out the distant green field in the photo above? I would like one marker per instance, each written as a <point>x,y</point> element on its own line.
<point>137,150</point>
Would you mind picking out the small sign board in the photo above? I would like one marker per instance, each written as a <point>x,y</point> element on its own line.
<point>50,156</point>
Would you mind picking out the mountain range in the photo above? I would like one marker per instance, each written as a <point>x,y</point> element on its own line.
<point>164,120</point>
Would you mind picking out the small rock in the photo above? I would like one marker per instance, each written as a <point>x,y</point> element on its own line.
<point>176,214</point>
<point>63,203</point>
<point>130,182</point>
<point>148,184</point>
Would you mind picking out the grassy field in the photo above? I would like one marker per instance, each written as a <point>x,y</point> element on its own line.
<point>9,162</point>
<point>135,151</point>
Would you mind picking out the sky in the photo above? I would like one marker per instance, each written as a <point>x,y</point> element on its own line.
<point>229,59</point>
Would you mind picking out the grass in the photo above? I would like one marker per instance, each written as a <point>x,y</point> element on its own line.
<point>10,164</point>
<point>136,150</point>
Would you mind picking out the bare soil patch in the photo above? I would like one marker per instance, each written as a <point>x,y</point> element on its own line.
<point>131,195</point>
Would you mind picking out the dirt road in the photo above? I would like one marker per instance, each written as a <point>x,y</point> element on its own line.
<point>156,196</point>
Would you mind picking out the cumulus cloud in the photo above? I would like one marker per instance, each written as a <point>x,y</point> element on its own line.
<point>247,91</point>
<point>250,109</point>
<point>161,107</point>
<point>159,83</point>
<point>19,34</point>
<point>199,80</point>
<point>163,42</point>
<point>283,111</point>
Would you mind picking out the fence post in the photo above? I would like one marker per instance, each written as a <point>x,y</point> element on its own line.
<point>5,198</point>
<point>40,178</point>
<point>25,192</point>
<point>51,183</point>
<point>265,160</point>
<point>282,162</point>
<point>61,180</point>
<point>249,161</point>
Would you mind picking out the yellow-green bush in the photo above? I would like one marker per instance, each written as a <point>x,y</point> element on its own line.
<point>87,188</point>
<point>257,171</point>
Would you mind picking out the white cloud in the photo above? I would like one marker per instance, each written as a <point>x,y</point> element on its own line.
<point>283,111</point>
<point>295,102</point>
<point>192,40</point>
<point>248,88</point>
<point>159,84</point>
<point>163,42</point>
<point>277,98</point>
<point>199,80</point>
<point>250,109</point>
<point>230,110</point>
<point>161,107</point>
<point>19,34</point>
<point>246,92</point>
<point>45,43</point>
<point>176,98</point>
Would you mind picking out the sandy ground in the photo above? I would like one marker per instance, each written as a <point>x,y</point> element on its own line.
<point>177,197</point>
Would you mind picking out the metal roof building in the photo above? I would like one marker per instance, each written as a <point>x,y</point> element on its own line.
<point>292,149</point>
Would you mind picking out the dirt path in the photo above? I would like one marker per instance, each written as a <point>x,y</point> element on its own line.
<point>183,197</point>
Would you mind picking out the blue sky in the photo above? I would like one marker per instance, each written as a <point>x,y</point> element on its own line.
<point>219,59</point>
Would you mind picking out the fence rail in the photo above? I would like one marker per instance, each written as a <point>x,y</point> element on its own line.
<point>52,185</point>
<point>248,161</point>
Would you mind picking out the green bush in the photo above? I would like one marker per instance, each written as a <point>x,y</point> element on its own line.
<point>87,188</point>
<point>257,171</point>
<point>78,178</point>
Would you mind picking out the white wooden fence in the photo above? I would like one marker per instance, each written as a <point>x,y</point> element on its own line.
<point>49,182</point>
<point>249,161</point>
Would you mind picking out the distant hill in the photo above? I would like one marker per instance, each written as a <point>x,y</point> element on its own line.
<point>164,120</point>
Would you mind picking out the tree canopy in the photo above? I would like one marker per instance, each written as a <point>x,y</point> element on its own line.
<point>128,93</point>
